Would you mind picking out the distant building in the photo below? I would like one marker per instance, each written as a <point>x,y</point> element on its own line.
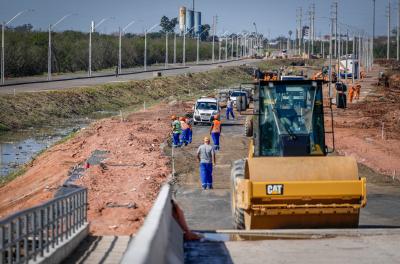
<point>189,20</point>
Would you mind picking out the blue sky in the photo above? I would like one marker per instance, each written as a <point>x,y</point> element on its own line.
<point>274,16</point>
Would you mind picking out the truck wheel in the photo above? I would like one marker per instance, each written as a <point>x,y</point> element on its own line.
<point>248,126</point>
<point>237,172</point>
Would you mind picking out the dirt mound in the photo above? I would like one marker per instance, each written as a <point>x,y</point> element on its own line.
<point>122,187</point>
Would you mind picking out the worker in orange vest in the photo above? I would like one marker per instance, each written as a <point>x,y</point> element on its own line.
<point>357,91</point>
<point>351,93</point>
<point>185,131</point>
<point>215,131</point>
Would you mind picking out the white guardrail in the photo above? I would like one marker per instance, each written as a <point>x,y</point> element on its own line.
<point>160,239</point>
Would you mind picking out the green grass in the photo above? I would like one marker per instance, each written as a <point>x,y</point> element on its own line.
<point>35,109</point>
<point>6,179</point>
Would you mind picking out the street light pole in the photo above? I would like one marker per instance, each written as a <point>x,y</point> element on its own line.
<point>49,53</point>
<point>184,48</point>
<point>49,56</point>
<point>145,51</point>
<point>145,45</point>
<point>174,47</point>
<point>232,48</point>
<point>237,47</point>
<point>3,28</point>
<point>92,29</point>
<point>226,48</point>
<point>3,25</point>
<point>121,32</point>
<point>166,50</point>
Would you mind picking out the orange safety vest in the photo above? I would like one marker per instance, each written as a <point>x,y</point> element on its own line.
<point>216,126</point>
<point>184,125</point>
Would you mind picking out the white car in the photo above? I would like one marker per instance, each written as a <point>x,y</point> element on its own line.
<point>204,109</point>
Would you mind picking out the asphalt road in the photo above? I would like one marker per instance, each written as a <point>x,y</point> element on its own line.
<point>207,211</point>
<point>67,84</point>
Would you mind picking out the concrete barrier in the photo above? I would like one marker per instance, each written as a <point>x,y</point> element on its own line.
<point>160,239</point>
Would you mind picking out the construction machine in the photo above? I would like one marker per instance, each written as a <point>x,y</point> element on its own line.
<point>323,75</point>
<point>288,180</point>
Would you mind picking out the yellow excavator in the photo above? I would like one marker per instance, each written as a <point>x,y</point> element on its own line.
<point>288,179</point>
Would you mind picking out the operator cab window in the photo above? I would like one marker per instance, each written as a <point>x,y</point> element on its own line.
<point>291,120</point>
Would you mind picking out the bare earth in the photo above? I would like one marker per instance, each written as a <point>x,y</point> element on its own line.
<point>130,176</point>
<point>358,129</point>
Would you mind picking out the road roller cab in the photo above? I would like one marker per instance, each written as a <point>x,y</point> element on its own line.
<point>288,179</point>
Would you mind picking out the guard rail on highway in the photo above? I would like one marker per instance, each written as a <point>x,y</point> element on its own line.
<point>32,233</point>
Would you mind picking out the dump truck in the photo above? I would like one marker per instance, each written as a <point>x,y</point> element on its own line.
<point>290,179</point>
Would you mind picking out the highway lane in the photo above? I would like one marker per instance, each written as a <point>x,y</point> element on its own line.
<point>67,84</point>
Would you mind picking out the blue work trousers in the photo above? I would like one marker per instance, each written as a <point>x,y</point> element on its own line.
<point>229,110</point>
<point>189,135</point>
<point>206,175</point>
<point>215,138</point>
<point>175,139</point>
<point>184,137</point>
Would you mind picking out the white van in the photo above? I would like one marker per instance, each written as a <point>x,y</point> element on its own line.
<point>204,109</point>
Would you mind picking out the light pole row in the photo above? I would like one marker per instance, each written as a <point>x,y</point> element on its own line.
<point>244,46</point>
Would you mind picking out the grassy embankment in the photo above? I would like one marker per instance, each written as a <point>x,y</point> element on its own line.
<point>40,108</point>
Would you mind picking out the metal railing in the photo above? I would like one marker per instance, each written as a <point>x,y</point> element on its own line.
<point>29,234</point>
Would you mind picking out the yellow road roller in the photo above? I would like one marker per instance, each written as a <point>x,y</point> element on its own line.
<point>290,178</point>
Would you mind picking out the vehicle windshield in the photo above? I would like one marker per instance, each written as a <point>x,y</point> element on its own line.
<point>206,106</point>
<point>291,117</point>
<point>236,94</point>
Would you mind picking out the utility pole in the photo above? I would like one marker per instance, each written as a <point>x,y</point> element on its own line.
<point>338,55</point>
<point>330,60</point>
<point>373,30</point>
<point>360,55</point>
<point>213,38</point>
<point>90,48</point>
<point>232,47</point>
<point>174,47</point>
<point>388,31</point>
<point>3,28</point>
<point>398,29</point>
<point>336,27</point>
<point>300,29</point>
<point>166,50</point>
<point>313,27</point>
<point>226,48</point>
<point>347,52</point>
<point>353,57</point>
<point>310,33</point>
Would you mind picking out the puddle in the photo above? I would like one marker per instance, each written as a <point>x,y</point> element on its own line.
<point>224,237</point>
<point>19,147</point>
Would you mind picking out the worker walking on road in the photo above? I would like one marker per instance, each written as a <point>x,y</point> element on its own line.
<point>351,93</point>
<point>215,131</point>
<point>206,158</point>
<point>176,132</point>
<point>357,91</point>
<point>229,109</point>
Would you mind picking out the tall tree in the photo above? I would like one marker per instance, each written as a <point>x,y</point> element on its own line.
<point>168,25</point>
<point>205,29</point>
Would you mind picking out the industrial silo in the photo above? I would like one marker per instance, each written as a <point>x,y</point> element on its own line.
<point>197,22</point>
<point>182,18</point>
<point>189,20</point>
